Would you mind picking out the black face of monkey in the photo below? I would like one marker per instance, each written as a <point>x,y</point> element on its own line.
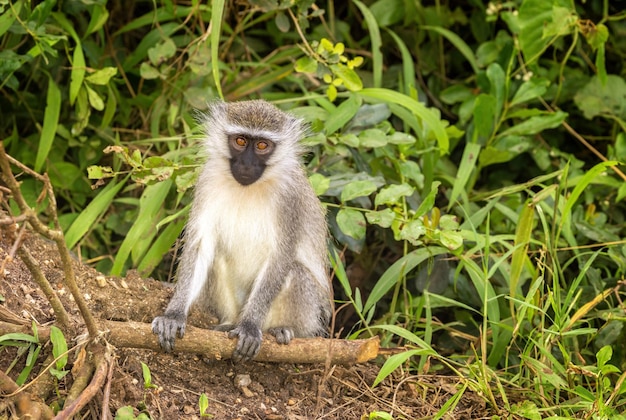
<point>249,157</point>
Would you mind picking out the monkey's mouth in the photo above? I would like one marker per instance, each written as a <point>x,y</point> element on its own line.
<point>245,174</point>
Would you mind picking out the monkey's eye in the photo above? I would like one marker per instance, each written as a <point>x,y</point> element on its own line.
<point>263,147</point>
<point>241,142</point>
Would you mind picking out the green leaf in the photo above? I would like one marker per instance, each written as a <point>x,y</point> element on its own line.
<point>160,247</point>
<point>498,87</point>
<point>320,183</point>
<point>59,347</point>
<point>395,361</point>
<point>138,238</point>
<point>147,376</point>
<point>468,163</point>
<point>413,231</point>
<point>5,338</point>
<point>397,270</point>
<point>8,16</point>
<point>603,356</point>
<point>352,223</point>
<point>458,43</point>
<point>451,240</point>
<point>99,16</point>
<point>217,13</point>
<point>350,78</point>
<point>534,88</point>
<point>50,123</point>
<point>101,77</point>
<point>98,206</point>
<point>427,116</point>
<point>344,113</point>
<point>95,100</point>
<point>376,41</point>
<point>580,187</point>
<point>78,58</point>
<point>306,65</point>
<point>162,52</point>
<point>148,72</point>
<point>383,218</point>
<point>282,22</point>
<point>357,189</point>
<point>392,194</point>
<point>372,137</point>
<point>597,99</point>
<point>533,18</point>
<point>388,12</point>
<point>203,404</point>
<point>484,118</point>
<point>523,232</point>
<point>429,201</point>
<point>536,124</point>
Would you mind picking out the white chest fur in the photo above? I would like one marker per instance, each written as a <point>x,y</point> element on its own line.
<point>238,226</point>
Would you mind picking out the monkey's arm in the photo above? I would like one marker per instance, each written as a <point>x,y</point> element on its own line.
<point>192,275</point>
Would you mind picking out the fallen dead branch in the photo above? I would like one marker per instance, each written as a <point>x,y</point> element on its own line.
<point>215,345</point>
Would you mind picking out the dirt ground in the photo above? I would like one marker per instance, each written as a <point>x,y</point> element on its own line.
<point>249,390</point>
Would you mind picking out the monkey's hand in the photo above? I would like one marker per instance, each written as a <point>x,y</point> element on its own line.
<point>166,327</point>
<point>249,342</point>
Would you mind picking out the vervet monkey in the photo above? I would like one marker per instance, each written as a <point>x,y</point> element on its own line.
<point>254,247</point>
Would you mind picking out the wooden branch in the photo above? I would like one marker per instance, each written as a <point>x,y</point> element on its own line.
<point>216,345</point>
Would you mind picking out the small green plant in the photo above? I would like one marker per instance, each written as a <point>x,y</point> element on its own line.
<point>59,351</point>
<point>128,413</point>
<point>27,345</point>
<point>377,415</point>
<point>147,377</point>
<point>203,404</point>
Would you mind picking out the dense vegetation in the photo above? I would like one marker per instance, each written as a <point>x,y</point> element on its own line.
<point>470,156</point>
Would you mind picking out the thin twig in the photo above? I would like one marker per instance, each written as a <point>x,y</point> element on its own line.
<point>43,283</point>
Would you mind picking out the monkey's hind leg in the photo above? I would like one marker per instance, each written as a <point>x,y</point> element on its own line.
<point>297,311</point>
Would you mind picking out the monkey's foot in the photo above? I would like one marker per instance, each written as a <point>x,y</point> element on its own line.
<point>283,334</point>
<point>167,327</point>
<point>249,342</point>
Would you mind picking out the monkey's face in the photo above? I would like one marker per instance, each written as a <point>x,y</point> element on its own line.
<point>249,157</point>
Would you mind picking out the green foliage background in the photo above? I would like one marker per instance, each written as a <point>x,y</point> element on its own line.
<point>470,155</point>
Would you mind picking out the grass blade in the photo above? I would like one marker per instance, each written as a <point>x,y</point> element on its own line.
<point>522,238</point>
<point>85,220</point>
<point>427,116</point>
<point>50,123</point>
<point>217,11</point>
<point>374,31</point>
<point>458,43</point>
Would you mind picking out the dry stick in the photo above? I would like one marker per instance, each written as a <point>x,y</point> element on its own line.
<point>217,346</point>
<point>61,315</point>
<point>55,234</point>
<point>106,415</point>
<point>585,143</point>
<point>82,376</point>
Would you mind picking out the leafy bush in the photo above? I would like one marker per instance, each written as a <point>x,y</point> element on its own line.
<point>470,156</point>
